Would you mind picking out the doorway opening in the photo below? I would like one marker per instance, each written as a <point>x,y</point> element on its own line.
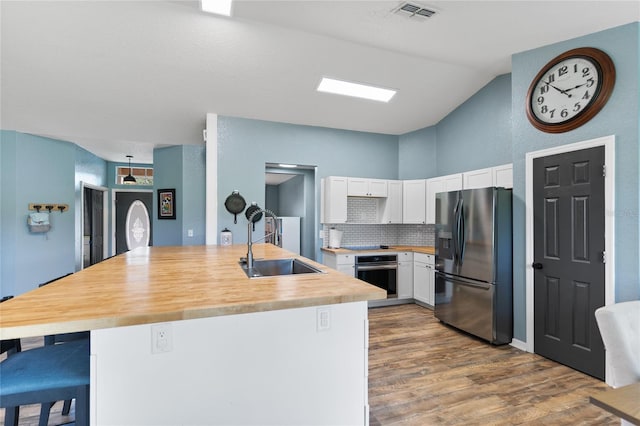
<point>290,192</point>
<point>131,220</point>
<point>94,225</point>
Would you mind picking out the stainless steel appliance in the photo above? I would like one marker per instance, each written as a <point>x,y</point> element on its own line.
<point>379,270</point>
<point>285,235</point>
<point>473,289</point>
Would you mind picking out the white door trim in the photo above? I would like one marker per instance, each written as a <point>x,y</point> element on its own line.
<point>113,213</point>
<point>609,210</point>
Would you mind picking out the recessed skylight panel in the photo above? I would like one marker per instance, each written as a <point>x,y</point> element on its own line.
<point>339,87</point>
<point>219,7</point>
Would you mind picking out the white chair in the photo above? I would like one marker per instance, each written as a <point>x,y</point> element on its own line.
<point>619,326</point>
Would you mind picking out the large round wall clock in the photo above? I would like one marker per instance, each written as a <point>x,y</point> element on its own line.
<point>570,90</point>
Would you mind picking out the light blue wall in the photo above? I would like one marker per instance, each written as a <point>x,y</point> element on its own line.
<point>182,168</point>
<point>292,197</point>
<point>193,208</point>
<point>417,152</point>
<point>168,232</point>
<point>619,117</point>
<point>477,134</point>
<point>244,146</point>
<point>39,170</point>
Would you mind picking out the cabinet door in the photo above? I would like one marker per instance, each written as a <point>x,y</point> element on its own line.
<point>414,201</point>
<point>431,276</point>
<point>453,182</point>
<point>357,187</point>
<point>378,188</point>
<point>421,282</point>
<point>434,186</point>
<point>346,269</point>
<point>335,199</point>
<point>392,205</point>
<point>405,279</point>
<point>482,178</point>
<point>503,176</point>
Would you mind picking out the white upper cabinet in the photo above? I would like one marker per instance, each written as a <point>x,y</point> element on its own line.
<point>392,205</point>
<point>482,178</point>
<point>360,187</point>
<point>440,184</point>
<point>503,176</point>
<point>335,200</point>
<point>414,201</point>
<point>491,176</point>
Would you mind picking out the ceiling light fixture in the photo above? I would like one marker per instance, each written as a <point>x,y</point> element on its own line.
<point>339,87</point>
<point>129,179</point>
<point>219,7</point>
<point>288,166</point>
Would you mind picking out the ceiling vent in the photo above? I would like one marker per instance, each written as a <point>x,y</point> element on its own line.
<point>413,10</point>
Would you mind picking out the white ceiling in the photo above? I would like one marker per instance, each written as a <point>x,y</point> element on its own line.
<point>123,77</point>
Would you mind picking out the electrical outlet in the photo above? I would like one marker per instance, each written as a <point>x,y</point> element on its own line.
<point>323,319</point>
<point>161,338</point>
<point>189,232</point>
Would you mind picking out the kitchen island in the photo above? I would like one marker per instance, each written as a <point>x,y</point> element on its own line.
<point>180,335</point>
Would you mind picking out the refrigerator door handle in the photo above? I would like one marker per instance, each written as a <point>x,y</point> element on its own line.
<point>456,240</point>
<point>462,232</point>
<point>463,281</point>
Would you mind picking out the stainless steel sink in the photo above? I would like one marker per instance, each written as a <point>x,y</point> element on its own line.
<point>277,267</point>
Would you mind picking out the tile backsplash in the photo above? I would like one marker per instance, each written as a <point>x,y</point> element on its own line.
<point>374,234</point>
<point>362,228</point>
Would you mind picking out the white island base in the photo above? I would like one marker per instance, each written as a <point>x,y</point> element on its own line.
<point>265,368</point>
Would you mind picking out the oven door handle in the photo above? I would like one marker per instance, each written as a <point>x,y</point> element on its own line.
<point>376,267</point>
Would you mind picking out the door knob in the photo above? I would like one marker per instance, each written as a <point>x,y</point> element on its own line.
<point>537,265</point>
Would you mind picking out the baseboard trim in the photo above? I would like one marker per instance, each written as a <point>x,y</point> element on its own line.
<point>519,344</point>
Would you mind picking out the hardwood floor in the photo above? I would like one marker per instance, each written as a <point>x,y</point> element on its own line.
<point>422,372</point>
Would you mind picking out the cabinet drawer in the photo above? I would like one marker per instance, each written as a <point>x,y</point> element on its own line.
<point>424,258</point>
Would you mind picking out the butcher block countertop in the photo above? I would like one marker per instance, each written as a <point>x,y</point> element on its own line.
<point>158,284</point>
<point>415,249</point>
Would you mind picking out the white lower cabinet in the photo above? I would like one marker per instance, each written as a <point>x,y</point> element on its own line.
<point>405,275</point>
<point>423,278</point>
<point>344,263</point>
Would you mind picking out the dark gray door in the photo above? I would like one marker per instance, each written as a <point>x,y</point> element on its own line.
<point>93,226</point>
<point>124,201</point>
<point>569,242</point>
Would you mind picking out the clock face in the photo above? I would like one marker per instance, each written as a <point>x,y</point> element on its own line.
<point>570,90</point>
<point>565,90</point>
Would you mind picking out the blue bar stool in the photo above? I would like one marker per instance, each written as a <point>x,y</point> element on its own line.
<point>44,374</point>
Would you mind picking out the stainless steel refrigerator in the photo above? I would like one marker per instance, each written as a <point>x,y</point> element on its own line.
<point>288,235</point>
<point>473,288</point>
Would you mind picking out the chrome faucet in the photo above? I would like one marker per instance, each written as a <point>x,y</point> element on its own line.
<point>250,234</point>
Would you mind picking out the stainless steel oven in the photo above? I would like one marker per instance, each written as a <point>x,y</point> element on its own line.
<point>379,270</point>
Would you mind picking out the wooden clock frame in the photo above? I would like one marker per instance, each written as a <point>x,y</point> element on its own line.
<point>607,79</point>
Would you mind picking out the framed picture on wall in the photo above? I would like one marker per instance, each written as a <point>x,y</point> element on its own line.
<point>166,203</point>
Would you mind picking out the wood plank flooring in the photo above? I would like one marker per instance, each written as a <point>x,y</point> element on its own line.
<point>422,372</point>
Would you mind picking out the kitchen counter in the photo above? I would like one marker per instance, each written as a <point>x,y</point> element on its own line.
<point>414,249</point>
<point>159,284</point>
<point>186,324</point>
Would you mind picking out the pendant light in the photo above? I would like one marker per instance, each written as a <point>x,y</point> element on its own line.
<point>129,179</point>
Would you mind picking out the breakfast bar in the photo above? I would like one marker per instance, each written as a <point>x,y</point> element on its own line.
<point>181,335</point>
